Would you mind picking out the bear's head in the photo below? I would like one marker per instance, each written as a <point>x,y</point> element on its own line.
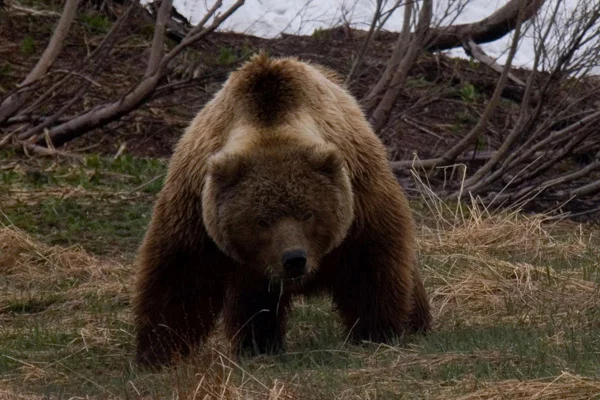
<point>278,209</point>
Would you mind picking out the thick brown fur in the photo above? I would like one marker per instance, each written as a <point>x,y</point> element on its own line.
<point>281,158</point>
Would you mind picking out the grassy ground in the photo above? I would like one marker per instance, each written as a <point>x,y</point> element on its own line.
<point>515,300</point>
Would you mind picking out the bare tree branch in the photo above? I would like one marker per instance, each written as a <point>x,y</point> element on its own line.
<point>590,188</point>
<point>474,182</point>
<point>473,50</point>
<point>158,40</point>
<point>101,115</point>
<point>13,103</point>
<point>361,54</point>
<point>200,31</point>
<point>97,55</point>
<point>370,101</point>
<point>491,107</point>
<point>472,136</point>
<point>380,115</point>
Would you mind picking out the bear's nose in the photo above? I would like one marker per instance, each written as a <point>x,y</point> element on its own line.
<point>294,263</point>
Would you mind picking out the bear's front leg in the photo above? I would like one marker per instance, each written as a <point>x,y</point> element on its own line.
<point>374,297</point>
<point>180,287</point>
<point>377,288</point>
<point>177,303</point>
<point>255,314</point>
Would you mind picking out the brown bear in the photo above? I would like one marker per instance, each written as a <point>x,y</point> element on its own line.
<point>278,187</point>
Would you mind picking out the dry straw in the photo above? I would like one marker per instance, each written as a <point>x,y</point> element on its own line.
<point>480,263</point>
<point>566,386</point>
<point>26,259</point>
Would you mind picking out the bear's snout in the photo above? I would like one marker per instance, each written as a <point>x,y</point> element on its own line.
<point>294,263</point>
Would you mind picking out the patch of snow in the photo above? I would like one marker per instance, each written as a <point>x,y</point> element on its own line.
<point>270,18</point>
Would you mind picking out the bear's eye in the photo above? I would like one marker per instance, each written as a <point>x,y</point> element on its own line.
<point>263,223</point>
<point>307,216</point>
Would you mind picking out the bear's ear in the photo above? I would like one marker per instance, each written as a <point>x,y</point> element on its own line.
<point>327,161</point>
<point>226,169</point>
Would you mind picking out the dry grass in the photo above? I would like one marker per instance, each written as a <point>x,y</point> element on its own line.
<point>7,394</point>
<point>566,386</point>
<point>504,232</point>
<point>25,260</point>
<point>478,261</point>
<point>473,228</point>
<point>479,288</point>
<point>32,197</point>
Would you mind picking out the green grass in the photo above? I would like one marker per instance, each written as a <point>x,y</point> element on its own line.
<point>101,204</point>
<point>226,56</point>
<point>126,173</point>
<point>418,82</point>
<point>28,46</point>
<point>468,93</point>
<point>5,69</point>
<point>101,226</point>
<point>465,117</point>
<point>503,311</point>
<point>321,34</point>
<point>95,22</point>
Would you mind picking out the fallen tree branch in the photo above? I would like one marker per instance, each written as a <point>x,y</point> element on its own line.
<point>585,190</point>
<point>32,11</point>
<point>10,105</point>
<point>473,50</point>
<point>27,147</point>
<point>109,112</point>
<point>416,125</point>
<point>98,55</point>
<point>491,28</point>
